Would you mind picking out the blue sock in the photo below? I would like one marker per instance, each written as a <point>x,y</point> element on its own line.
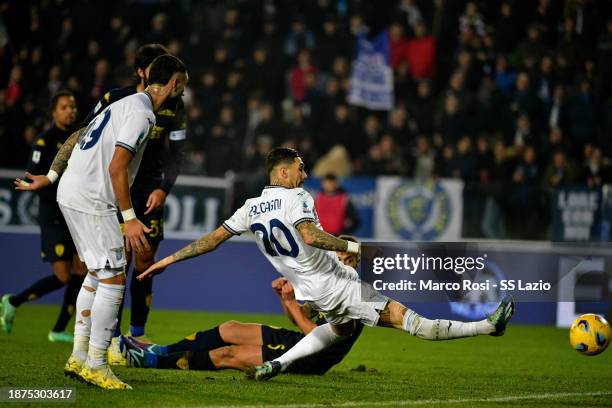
<point>136,331</point>
<point>159,350</point>
<point>117,332</point>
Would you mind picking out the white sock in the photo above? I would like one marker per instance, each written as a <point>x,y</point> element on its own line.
<point>103,320</point>
<point>320,338</point>
<point>82,321</point>
<point>441,329</point>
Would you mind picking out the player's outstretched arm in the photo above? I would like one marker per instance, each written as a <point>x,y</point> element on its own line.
<point>207,243</point>
<point>313,236</point>
<point>57,167</point>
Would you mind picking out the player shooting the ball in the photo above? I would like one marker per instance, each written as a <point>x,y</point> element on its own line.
<point>241,346</point>
<point>287,231</point>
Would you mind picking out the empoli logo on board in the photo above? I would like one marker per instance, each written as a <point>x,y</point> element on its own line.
<point>419,211</point>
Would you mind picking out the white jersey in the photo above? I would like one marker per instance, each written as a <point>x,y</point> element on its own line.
<point>86,184</point>
<point>273,218</point>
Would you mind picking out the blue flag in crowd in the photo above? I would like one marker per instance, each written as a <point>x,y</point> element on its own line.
<point>372,76</point>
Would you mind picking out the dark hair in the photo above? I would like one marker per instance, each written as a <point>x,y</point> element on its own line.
<point>280,155</point>
<point>146,54</point>
<point>163,67</point>
<point>56,97</point>
<point>330,177</point>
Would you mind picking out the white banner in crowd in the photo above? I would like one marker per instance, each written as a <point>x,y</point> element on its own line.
<point>418,211</point>
<point>372,76</point>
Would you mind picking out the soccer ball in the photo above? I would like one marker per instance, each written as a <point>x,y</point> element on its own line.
<point>590,334</point>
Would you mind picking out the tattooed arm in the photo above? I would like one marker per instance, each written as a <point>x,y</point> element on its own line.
<point>317,238</point>
<point>57,167</point>
<point>61,158</point>
<point>207,243</point>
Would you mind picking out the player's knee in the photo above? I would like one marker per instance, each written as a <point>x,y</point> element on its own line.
<point>226,329</point>
<point>61,269</point>
<point>143,260</point>
<point>223,356</point>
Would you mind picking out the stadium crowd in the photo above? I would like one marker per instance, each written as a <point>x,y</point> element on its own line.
<point>513,97</point>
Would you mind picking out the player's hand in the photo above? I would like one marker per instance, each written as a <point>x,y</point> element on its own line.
<point>155,269</point>
<point>37,183</point>
<point>156,199</point>
<point>135,238</point>
<point>277,285</point>
<point>287,294</point>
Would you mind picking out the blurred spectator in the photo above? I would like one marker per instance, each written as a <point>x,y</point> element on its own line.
<point>409,13</point>
<point>423,108</point>
<point>421,53</point>
<point>334,208</point>
<point>423,158</point>
<point>560,172</point>
<point>472,19</point>
<point>596,173</point>
<point>299,37</point>
<point>297,77</point>
<point>582,115</point>
<point>525,195</point>
<point>504,77</point>
<point>532,48</point>
<point>506,30</point>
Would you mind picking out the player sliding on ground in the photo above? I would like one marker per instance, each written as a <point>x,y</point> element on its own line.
<point>241,346</point>
<point>285,225</point>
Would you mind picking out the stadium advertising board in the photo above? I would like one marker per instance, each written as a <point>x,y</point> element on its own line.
<point>196,204</point>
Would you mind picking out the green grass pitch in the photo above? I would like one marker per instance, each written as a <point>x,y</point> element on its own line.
<point>529,366</point>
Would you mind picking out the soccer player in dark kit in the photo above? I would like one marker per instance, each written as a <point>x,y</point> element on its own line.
<point>57,247</point>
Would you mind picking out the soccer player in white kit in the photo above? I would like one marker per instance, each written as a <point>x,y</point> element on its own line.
<point>284,222</point>
<point>100,163</point>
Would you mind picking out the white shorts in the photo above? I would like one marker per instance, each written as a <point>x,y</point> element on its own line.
<point>97,238</point>
<point>357,300</point>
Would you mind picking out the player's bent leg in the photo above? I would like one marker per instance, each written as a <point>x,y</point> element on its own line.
<point>237,357</point>
<point>141,292</point>
<point>318,339</point>
<point>234,332</point>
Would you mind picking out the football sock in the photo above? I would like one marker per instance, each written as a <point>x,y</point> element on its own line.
<point>440,329</point>
<point>117,331</point>
<point>202,340</point>
<point>82,322</point>
<point>320,338</point>
<point>38,289</point>
<point>141,292</point>
<point>69,303</point>
<point>103,320</point>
